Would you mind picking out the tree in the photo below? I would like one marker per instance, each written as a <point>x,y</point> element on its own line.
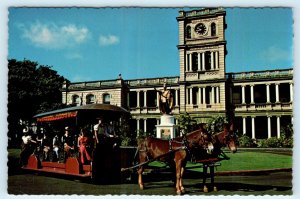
<point>216,124</point>
<point>32,89</point>
<point>186,123</point>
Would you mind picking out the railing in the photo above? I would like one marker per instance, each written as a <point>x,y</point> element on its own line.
<point>153,81</point>
<point>202,12</point>
<point>261,74</point>
<point>97,84</point>
<point>265,106</point>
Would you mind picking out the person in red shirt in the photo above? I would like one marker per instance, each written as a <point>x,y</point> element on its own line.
<point>84,142</point>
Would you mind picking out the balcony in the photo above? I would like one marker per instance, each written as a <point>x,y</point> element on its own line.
<point>264,106</point>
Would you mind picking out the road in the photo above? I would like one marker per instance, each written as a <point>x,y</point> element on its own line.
<point>277,183</point>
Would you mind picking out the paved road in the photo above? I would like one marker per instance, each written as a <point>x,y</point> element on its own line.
<point>278,183</point>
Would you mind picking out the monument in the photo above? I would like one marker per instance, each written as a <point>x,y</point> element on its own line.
<point>167,128</point>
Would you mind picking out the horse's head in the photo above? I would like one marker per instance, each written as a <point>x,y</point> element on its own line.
<point>201,138</point>
<point>229,138</point>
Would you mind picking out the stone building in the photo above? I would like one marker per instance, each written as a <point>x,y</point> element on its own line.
<point>261,100</point>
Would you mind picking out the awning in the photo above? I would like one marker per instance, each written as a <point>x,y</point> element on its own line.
<point>58,116</point>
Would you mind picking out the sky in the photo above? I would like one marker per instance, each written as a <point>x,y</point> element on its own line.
<point>87,44</point>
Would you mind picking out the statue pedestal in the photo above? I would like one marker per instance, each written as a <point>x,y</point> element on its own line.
<point>167,128</point>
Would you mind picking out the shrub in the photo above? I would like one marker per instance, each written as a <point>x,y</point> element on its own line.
<point>245,141</point>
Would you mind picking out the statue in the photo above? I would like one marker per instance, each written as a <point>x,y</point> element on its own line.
<point>165,100</point>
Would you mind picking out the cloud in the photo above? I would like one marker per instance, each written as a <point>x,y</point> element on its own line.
<point>274,54</point>
<point>53,36</point>
<point>74,55</point>
<point>108,40</point>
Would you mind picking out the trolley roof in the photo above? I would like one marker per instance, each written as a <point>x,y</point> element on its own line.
<point>74,111</point>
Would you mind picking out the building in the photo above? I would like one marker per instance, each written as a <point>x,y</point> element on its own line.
<point>261,100</point>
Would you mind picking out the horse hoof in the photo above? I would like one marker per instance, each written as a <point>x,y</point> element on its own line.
<point>182,190</point>
<point>215,189</point>
<point>205,190</point>
<point>142,187</point>
<point>179,192</point>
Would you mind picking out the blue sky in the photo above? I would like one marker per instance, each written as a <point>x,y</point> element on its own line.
<point>86,44</point>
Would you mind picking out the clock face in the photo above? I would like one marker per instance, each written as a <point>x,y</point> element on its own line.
<point>200,28</point>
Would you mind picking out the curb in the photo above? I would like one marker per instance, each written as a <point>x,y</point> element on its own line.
<point>252,172</point>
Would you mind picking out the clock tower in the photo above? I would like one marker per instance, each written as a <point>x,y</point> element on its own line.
<point>202,50</point>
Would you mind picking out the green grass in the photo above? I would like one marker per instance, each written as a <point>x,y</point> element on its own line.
<point>246,160</point>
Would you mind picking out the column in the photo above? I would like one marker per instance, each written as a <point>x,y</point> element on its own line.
<point>252,93</point>
<point>244,125</point>
<point>269,126</point>
<point>217,59</point>
<point>217,95</point>
<point>138,127</point>
<point>212,95</point>
<point>191,95</point>
<point>212,60</point>
<point>145,98</point>
<point>278,126</point>
<point>243,94</point>
<point>157,121</point>
<point>277,92</point>
<point>145,125</point>
<point>203,61</point>
<point>253,127</point>
<point>199,95</point>
<point>199,62</point>
<point>137,98</point>
<point>176,97</point>
<point>157,99</point>
<point>268,93</point>
<point>190,62</point>
<point>291,92</point>
<point>204,95</point>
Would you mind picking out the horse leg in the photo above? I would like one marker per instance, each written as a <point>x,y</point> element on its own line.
<point>212,177</point>
<point>205,189</point>
<point>178,177</point>
<point>140,179</point>
<point>181,184</point>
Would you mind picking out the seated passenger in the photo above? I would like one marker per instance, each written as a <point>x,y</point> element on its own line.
<point>67,141</point>
<point>56,144</point>
<point>84,143</point>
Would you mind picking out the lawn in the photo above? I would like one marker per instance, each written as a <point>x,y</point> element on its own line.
<point>246,160</point>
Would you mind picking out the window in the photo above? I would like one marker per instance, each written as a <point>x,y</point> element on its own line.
<point>76,100</point>
<point>213,29</point>
<point>106,98</point>
<point>194,61</point>
<point>188,32</point>
<point>207,60</point>
<point>90,99</point>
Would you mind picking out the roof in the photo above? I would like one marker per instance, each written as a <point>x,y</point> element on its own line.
<point>72,111</point>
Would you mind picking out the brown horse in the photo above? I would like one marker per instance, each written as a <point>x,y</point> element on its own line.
<point>171,151</point>
<point>222,139</point>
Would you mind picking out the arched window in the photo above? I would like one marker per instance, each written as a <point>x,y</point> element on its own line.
<point>76,100</point>
<point>106,98</point>
<point>213,29</point>
<point>90,99</point>
<point>188,32</point>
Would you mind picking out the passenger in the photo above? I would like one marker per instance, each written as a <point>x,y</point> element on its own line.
<point>100,130</point>
<point>46,145</point>
<point>27,147</point>
<point>84,144</point>
<point>67,141</point>
<point>111,130</point>
<point>56,144</point>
